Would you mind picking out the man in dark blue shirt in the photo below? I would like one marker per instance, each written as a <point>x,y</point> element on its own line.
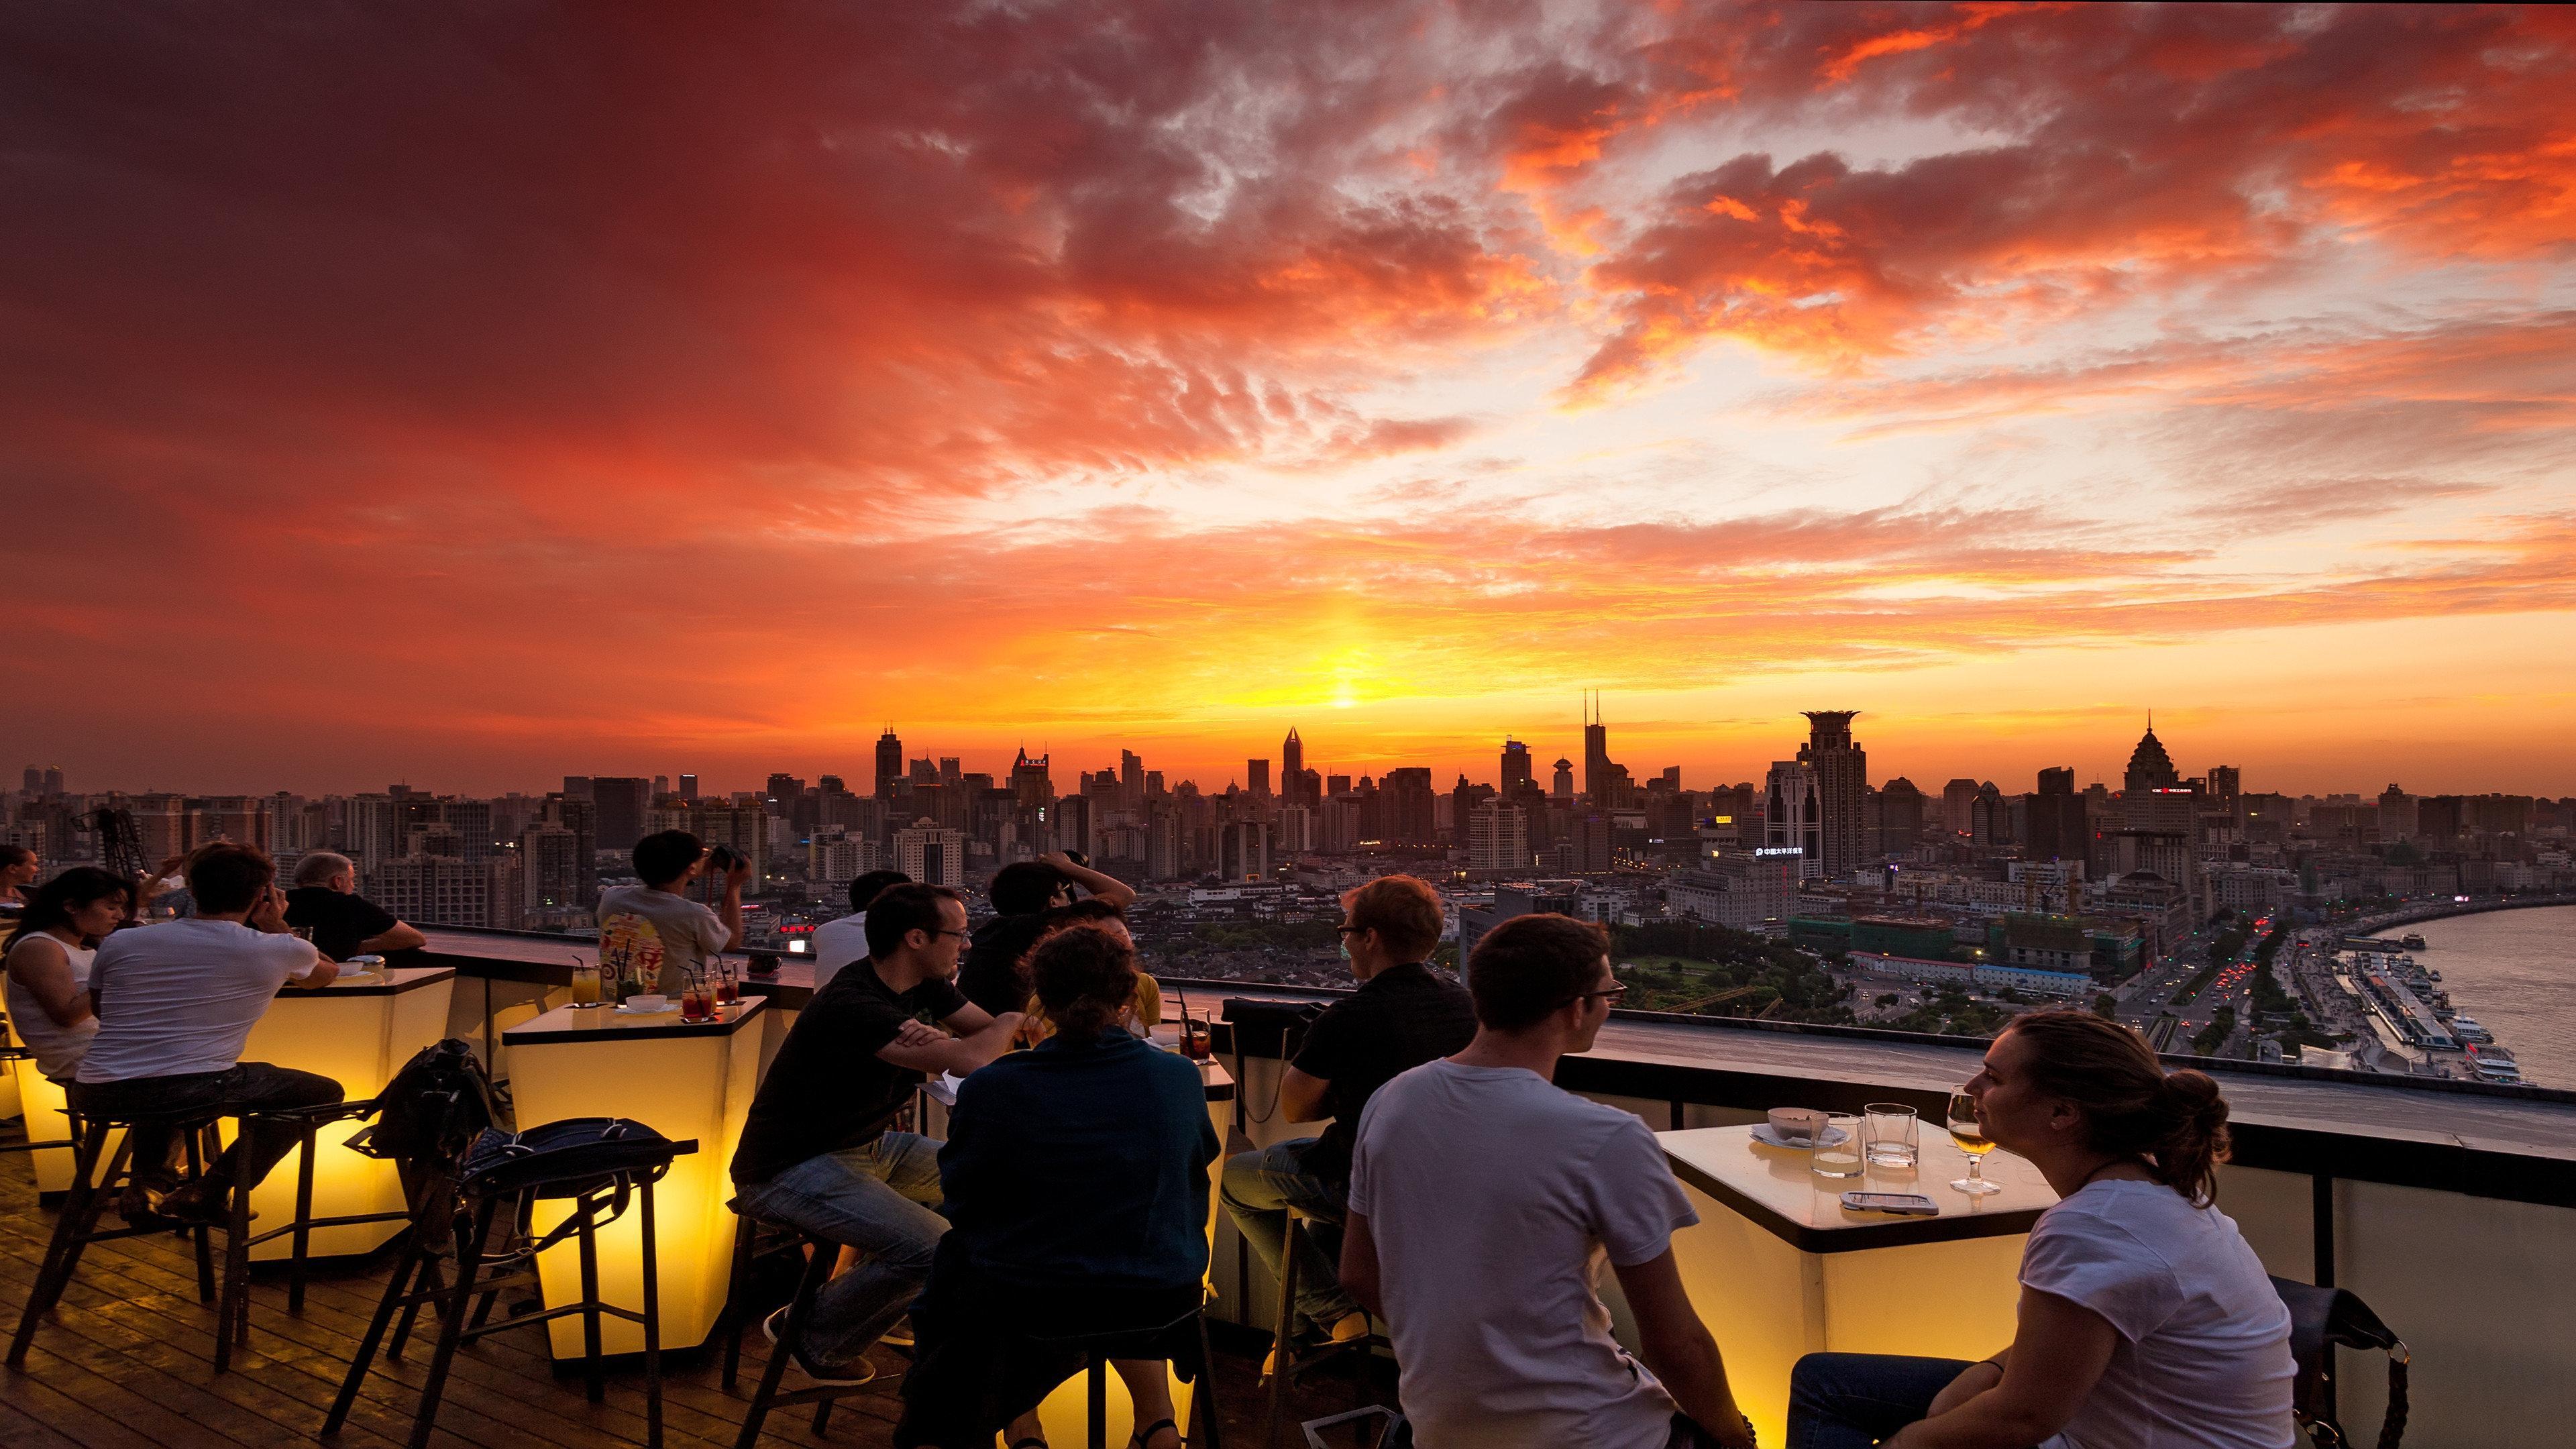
<point>1076,1178</point>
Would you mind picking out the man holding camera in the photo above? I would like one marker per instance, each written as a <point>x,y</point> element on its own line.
<point>653,930</point>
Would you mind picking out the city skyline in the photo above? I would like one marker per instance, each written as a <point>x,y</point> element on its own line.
<point>1065,770</point>
<point>1161,375</point>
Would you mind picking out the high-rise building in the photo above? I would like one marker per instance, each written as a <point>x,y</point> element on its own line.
<point>1030,783</point>
<point>1498,836</point>
<point>1411,810</point>
<point>889,763</point>
<point>1292,769</point>
<point>2396,813</point>
<point>35,781</point>
<point>53,780</point>
<point>1516,766</point>
<point>1296,830</point>
<point>930,854</point>
<point>689,788</point>
<point>1256,776</point>
<point>470,821</point>
<point>1563,793</point>
<point>2057,829</point>
<point>1792,818</point>
<point>1900,816</point>
<point>661,786</point>
<point>1596,755</point>
<point>1244,851</point>
<point>1841,770</point>
<point>621,801</point>
<point>1957,799</point>
<point>577,786</point>
<point>2150,768</point>
<point>836,857</point>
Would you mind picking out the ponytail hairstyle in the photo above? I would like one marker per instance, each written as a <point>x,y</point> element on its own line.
<point>1084,977</point>
<point>75,889</point>
<point>2174,1124</point>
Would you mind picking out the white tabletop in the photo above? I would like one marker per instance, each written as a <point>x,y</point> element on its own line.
<point>1777,1187</point>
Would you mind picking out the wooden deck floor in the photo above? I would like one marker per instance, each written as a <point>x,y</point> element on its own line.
<point>127,1362</point>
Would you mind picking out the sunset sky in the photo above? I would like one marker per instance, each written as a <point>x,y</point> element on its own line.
<point>473,394</point>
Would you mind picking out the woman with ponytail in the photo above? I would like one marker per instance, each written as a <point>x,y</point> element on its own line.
<point>47,960</point>
<point>2146,1320</point>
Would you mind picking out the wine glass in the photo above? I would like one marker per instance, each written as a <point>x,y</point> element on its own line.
<point>1970,1135</point>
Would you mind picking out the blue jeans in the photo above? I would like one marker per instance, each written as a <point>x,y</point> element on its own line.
<point>876,1199</point>
<point>1853,1400</point>
<point>1258,1188</point>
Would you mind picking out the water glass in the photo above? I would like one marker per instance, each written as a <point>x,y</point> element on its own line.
<point>1892,1135</point>
<point>1838,1147</point>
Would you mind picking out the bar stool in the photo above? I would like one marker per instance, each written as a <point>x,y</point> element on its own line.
<point>1288,1366</point>
<point>470,1206</point>
<point>754,1240</point>
<point>91,1191</point>
<point>818,1271</point>
<point>1099,1350</point>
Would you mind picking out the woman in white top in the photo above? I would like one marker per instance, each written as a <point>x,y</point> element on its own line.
<point>2146,1320</point>
<point>48,959</point>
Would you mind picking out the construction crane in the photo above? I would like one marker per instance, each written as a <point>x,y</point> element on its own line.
<point>120,845</point>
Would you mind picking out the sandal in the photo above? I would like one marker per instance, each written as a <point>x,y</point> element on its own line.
<point>1145,1435</point>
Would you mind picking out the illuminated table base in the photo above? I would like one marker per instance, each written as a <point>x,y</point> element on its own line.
<point>1778,1269</point>
<point>358,1034</point>
<point>683,1081</point>
<point>1769,1304</point>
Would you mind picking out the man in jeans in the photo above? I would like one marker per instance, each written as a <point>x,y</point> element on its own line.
<point>175,1003</point>
<point>1404,1014</point>
<point>1483,1202</point>
<point>815,1151</point>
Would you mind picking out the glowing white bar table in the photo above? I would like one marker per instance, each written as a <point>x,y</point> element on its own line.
<point>358,1033</point>
<point>684,1080</point>
<point>1779,1269</point>
<point>1063,1413</point>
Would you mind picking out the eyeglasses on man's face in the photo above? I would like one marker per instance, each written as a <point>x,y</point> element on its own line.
<point>1612,992</point>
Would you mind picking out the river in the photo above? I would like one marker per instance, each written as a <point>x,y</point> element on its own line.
<point>2515,971</point>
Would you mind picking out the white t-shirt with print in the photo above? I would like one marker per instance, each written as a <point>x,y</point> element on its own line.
<point>2203,1357</point>
<point>1494,1199</point>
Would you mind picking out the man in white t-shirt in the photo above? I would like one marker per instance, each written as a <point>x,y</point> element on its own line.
<point>175,1003</point>
<point>653,932</point>
<point>838,943</point>
<point>1483,1202</point>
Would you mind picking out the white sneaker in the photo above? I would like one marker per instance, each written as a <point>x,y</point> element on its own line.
<point>856,1373</point>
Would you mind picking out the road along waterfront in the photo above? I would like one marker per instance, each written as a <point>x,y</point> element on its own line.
<point>2515,971</point>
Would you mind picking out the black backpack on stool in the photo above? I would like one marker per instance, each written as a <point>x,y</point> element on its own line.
<point>2322,1319</point>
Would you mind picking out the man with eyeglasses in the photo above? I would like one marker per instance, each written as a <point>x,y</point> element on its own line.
<point>815,1151</point>
<point>1483,1201</point>
<point>1405,1013</point>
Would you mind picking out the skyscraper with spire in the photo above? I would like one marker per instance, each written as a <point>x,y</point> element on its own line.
<point>1841,772</point>
<point>889,763</point>
<point>1292,769</point>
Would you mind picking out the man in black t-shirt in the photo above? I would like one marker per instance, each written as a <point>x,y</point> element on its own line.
<point>1404,1014</point>
<point>815,1152</point>
<point>344,923</point>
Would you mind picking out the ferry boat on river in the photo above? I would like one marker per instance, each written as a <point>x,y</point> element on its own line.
<point>2494,1064</point>
<point>2466,1028</point>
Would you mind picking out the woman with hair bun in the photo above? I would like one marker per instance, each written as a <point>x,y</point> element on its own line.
<point>2146,1320</point>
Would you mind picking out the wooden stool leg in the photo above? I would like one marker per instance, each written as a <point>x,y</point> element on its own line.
<point>81,1208</point>
<point>738,1298</point>
<point>407,1270</point>
<point>1203,1412</point>
<point>205,1249</point>
<point>590,1348</point>
<point>1283,1340</point>
<point>303,1221</point>
<point>232,1311</point>
<point>652,1331</point>
<point>451,1327</point>
<point>1095,1411</point>
<point>799,1308</point>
